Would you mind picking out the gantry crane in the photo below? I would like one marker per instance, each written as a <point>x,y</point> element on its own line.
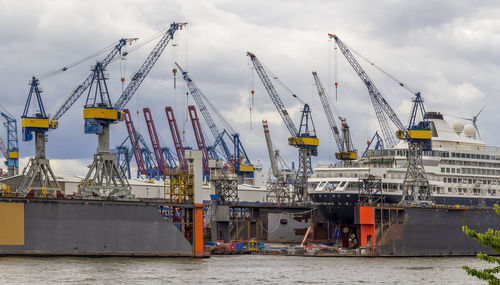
<point>346,151</point>
<point>416,188</point>
<point>174,130</point>
<point>304,138</point>
<point>12,149</point>
<point>238,159</point>
<point>38,175</point>
<point>104,177</point>
<point>380,105</point>
<point>418,134</point>
<point>200,139</point>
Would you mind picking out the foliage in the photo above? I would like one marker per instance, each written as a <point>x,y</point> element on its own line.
<point>491,239</point>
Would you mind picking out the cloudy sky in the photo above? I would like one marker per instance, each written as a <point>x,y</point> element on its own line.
<point>446,49</point>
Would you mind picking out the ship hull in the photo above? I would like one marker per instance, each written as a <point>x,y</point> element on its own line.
<point>88,227</point>
<point>416,231</point>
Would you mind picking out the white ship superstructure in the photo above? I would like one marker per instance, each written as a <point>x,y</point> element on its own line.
<point>460,168</point>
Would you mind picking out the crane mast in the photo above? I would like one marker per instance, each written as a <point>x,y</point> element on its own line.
<point>416,188</point>
<point>380,105</point>
<point>304,138</point>
<point>80,89</point>
<point>104,177</point>
<point>270,150</point>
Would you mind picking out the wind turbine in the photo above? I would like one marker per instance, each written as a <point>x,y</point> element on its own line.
<point>473,120</point>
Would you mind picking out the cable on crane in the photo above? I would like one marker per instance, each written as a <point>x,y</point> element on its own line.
<point>399,82</point>
<point>273,76</point>
<point>66,67</point>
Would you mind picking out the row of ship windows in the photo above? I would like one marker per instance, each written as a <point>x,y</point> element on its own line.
<point>469,180</point>
<point>470,163</point>
<point>480,171</point>
<point>434,153</point>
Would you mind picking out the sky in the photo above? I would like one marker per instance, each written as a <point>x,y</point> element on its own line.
<point>447,50</point>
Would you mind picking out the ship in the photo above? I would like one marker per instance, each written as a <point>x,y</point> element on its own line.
<point>464,178</point>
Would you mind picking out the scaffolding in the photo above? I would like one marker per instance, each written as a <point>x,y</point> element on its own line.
<point>226,186</point>
<point>278,192</point>
<point>369,191</point>
<point>181,188</point>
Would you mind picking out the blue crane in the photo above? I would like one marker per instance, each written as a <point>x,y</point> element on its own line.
<point>239,158</point>
<point>104,176</point>
<point>344,144</point>
<point>304,138</point>
<point>380,105</point>
<point>12,150</point>
<point>38,175</point>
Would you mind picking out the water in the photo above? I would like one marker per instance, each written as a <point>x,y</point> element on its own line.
<point>238,269</point>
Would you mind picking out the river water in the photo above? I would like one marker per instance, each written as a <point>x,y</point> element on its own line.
<point>237,269</point>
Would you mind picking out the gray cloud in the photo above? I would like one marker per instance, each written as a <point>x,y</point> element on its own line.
<point>449,51</point>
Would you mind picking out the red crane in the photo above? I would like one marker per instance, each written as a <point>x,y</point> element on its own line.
<point>176,137</point>
<point>155,142</point>
<point>133,137</point>
<point>200,140</point>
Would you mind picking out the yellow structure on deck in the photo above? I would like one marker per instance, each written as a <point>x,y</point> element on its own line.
<point>298,141</point>
<point>181,188</point>
<point>102,113</point>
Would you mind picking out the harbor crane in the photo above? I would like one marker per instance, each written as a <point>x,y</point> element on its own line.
<point>38,175</point>
<point>142,154</point>
<point>12,150</point>
<point>104,177</point>
<point>277,190</point>
<point>163,155</point>
<point>176,137</point>
<point>238,159</point>
<point>200,139</point>
<point>416,188</point>
<point>344,143</point>
<point>304,138</point>
<point>380,105</point>
<point>418,134</point>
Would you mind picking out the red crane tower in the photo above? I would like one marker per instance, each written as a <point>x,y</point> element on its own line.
<point>200,140</point>
<point>176,137</point>
<point>155,142</point>
<point>133,137</point>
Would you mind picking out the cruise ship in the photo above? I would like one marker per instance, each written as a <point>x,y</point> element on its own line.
<point>461,170</point>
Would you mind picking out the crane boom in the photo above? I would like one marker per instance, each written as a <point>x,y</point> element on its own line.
<point>3,149</point>
<point>68,102</point>
<point>274,95</point>
<point>146,66</point>
<point>270,149</point>
<point>380,105</point>
<point>197,96</point>
<point>328,112</point>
